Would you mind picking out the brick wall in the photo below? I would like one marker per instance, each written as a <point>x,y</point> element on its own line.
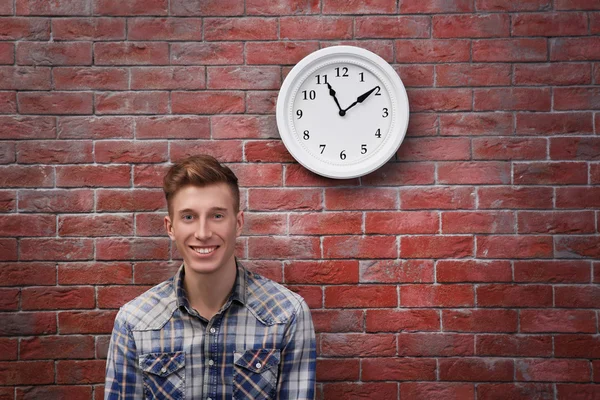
<point>465,268</point>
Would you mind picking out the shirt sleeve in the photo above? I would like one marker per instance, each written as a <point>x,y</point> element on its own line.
<point>123,378</point>
<point>297,371</point>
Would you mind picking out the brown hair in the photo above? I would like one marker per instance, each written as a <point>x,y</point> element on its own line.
<point>201,170</point>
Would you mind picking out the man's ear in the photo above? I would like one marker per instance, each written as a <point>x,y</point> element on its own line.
<point>239,223</point>
<point>169,227</point>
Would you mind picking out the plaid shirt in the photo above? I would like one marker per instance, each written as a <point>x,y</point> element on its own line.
<point>261,345</point>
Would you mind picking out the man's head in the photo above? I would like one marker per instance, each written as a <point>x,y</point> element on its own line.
<point>204,218</point>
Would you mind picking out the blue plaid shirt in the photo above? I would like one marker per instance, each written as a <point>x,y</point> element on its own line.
<point>261,345</point>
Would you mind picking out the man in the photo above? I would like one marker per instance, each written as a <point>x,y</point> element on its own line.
<point>214,330</point>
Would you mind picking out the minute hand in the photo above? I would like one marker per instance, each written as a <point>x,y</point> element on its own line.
<point>362,98</point>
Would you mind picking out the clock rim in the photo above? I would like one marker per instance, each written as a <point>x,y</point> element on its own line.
<point>360,168</point>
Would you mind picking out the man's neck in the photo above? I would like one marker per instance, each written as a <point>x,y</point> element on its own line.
<point>207,293</point>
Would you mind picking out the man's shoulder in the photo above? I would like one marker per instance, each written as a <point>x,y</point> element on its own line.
<point>271,302</point>
<point>151,309</point>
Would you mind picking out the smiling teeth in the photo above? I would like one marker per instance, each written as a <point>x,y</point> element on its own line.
<point>204,250</point>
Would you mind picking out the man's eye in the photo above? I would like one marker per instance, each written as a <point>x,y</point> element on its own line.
<point>188,217</point>
<point>219,216</point>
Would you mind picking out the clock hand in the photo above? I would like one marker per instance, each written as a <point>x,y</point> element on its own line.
<point>361,98</point>
<point>332,94</point>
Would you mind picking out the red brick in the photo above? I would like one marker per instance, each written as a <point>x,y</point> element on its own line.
<point>556,222</point>
<point>7,8</point>
<point>514,246</point>
<point>152,273</point>
<point>398,369</point>
<point>105,127</point>
<point>27,324</point>
<point>391,27</point>
<point>514,296</point>
<point>82,78</point>
<point>117,296</point>
<point>507,5</point>
<point>463,124</point>
<point>553,370</point>
<point>473,271</point>
<point>149,175</point>
<point>321,272</point>
<point>282,247</point>
<point>94,273</point>
<point>360,199</point>
<point>135,248</point>
<point>516,391</point>
<point>278,53</point>
<point>396,271</point>
<point>467,26</point>
<point>54,392</point>
<point>383,48</point>
<point>577,246</point>
<point>594,22</point>
<point>329,223</point>
<point>206,7</point>
<point>576,5</point>
<point>7,152</point>
<point>207,53</point>
<point>224,150</point>
<point>54,53</point>
<point>473,75</point>
<point>261,102</point>
<point>243,127</point>
<point>132,102</point>
<point>578,197</point>
<point>130,152</point>
<point>7,53</point>
<point>27,372</point>
<point>543,173</point>
<point>130,200</point>
<point>437,198</point>
<point>152,224</point>
<point>555,271</point>
<point>9,299</point>
<point>8,200</point>
<point>21,28</point>
<point>396,174</point>
<point>476,369</point>
<point>474,172</point>
<point>574,49</point>
<point>577,296</point>
<point>415,75</point>
<point>57,298</point>
<point>575,148</point>
<point>436,390</point>
<point>266,151</point>
<point>440,99</point>
<point>578,392</point>
<point>432,50</point>
<point>595,174</point>
<point>311,294</point>
<point>56,249</point>
<point>357,344</point>
<point>86,322</point>
<point>255,78</point>
<point>514,345</point>
<point>479,320</point>
<point>583,346</point>
<point>9,349</point>
<point>297,175</point>
<point>95,29</point>
<point>402,222</point>
<point>23,273</point>
<point>164,29</point>
<point>581,98</point>
<point>77,200</point>
<point>55,152</point>
<point>435,6</point>
<point>361,296</point>
<point>27,225</point>
<point>338,370</point>
<point>173,127</point>
<point>246,28</point>
<point>207,102</point>
<point>131,53</point>
<point>80,372</point>
<point>567,321</point>
<point>55,103</point>
<point>135,7</point>
<point>554,124</point>
<point>437,296</point>
<point>360,391</point>
<point>435,344</point>
<point>8,102</point>
<point>510,50</point>
<point>321,28</point>
<point>93,176</point>
<point>402,320</point>
<point>515,197</point>
<point>549,24</point>
<point>8,250</point>
<point>435,149</point>
<point>269,269</point>
<point>338,320</point>
<point>60,7</point>
<point>168,78</point>
<point>95,225</point>
<point>552,74</point>
<point>360,247</point>
<point>478,222</point>
<point>344,7</point>
<point>284,199</point>
<point>509,149</point>
<point>516,99</point>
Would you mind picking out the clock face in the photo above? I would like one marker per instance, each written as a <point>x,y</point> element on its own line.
<point>342,113</point>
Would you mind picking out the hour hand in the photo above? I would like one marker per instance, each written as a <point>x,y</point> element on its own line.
<point>332,94</point>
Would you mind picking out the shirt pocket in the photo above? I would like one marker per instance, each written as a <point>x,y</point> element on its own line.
<point>164,375</point>
<point>255,374</point>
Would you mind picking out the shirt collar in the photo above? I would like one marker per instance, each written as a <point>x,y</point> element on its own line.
<point>238,292</point>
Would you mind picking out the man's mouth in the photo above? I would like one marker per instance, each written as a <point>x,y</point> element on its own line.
<point>204,250</point>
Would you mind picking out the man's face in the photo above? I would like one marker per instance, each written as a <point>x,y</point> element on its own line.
<point>204,226</point>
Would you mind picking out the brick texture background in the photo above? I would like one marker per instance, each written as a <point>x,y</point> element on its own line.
<point>466,268</point>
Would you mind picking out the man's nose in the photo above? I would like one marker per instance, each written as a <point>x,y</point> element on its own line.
<point>203,230</point>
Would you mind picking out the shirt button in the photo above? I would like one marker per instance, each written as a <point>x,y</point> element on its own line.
<point>208,398</point>
<point>211,362</point>
<point>212,330</point>
<point>163,370</point>
<point>258,365</point>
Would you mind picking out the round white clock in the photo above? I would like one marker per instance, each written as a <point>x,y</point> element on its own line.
<point>342,112</point>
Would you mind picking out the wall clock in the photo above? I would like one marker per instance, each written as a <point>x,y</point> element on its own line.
<point>342,112</point>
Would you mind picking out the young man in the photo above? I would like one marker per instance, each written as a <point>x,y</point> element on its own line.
<point>215,330</point>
